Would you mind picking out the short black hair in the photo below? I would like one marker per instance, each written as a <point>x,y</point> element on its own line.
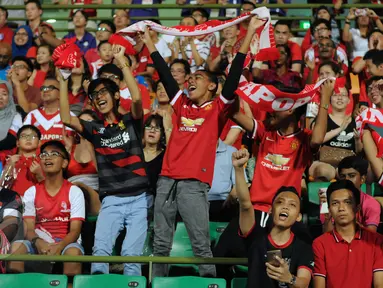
<point>291,189</point>
<point>30,127</point>
<point>184,63</point>
<point>189,16</point>
<point>212,78</point>
<point>108,84</point>
<point>90,113</point>
<point>109,23</point>
<point>344,184</point>
<point>2,8</point>
<point>354,162</point>
<point>204,13</point>
<point>82,11</point>
<point>57,144</point>
<point>25,60</point>
<point>333,45</point>
<point>283,23</point>
<point>375,55</point>
<point>51,78</point>
<point>318,22</point>
<point>37,2</point>
<point>112,69</point>
<point>159,123</point>
<point>372,32</point>
<point>249,3</point>
<point>102,43</point>
<point>371,80</point>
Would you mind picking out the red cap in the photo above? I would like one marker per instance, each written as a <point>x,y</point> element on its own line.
<point>2,85</point>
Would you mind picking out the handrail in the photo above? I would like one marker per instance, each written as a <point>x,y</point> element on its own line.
<point>123,259</point>
<point>176,6</point>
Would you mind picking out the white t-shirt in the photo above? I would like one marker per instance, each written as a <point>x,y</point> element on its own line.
<point>163,49</point>
<point>203,49</point>
<point>360,44</point>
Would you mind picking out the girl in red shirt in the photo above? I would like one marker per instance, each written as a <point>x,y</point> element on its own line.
<point>44,66</point>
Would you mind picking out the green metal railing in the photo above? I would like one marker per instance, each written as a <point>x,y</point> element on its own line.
<point>125,259</point>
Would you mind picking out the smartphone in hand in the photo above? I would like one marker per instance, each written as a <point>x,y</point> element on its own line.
<point>271,257</point>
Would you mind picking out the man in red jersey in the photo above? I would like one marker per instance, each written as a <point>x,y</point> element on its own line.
<point>285,150</point>
<point>54,212</point>
<point>349,256</point>
<point>188,166</point>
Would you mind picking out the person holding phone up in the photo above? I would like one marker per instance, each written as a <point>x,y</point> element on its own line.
<point>276,257</point>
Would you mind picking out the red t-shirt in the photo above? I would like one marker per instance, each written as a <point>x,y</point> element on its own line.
<point>80,97</point>
<point>296,54</point>
<point>344,264</point>
<point>6,35</point>
<point>126,98</point>
<point>144,58</point>
<point>53,214</point>
<point>281,160</point>
<point>39,79</point>
<point>90,12</point>
<point>50,125</point>
<point>192,147</point>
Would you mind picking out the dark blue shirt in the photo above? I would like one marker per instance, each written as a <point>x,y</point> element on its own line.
<point>87,42</point>
<point>144,12</point>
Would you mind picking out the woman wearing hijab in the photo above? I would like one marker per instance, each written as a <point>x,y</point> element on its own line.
<point>22,41</point>
<point>10,120</point>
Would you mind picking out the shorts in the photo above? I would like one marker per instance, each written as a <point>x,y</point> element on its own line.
<point>31,249</point>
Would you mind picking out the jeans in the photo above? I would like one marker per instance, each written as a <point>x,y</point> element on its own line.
<point>115,214</point>
<point>189,197</point>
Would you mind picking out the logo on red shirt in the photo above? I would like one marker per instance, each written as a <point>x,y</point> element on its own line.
<point>189,125</point>
<point>277,162</point>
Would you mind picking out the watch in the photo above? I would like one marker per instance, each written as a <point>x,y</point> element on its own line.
<point>324,106</point>
<point>293,280</point>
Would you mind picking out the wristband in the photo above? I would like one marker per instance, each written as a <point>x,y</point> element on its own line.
<point>324,106</point>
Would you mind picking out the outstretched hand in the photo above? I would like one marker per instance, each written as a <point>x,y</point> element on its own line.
<point>240,158</point>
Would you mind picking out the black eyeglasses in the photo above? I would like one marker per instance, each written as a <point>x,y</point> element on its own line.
<point>48,88</point>
<point>155,128</point>
<point>110,77</point>
<point>28,137</point>
<point>53,154</point>
<point>103,29</point>
<point>95,94</point>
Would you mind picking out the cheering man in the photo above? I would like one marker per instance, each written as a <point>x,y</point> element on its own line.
<point>121,166</point>
<point>294,267</point>
<point>188,166</point>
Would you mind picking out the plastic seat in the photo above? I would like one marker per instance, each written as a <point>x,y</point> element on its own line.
<point>33,280</point>
<point>108,280</point>
<point>239,283</point>
<point>188,282</point>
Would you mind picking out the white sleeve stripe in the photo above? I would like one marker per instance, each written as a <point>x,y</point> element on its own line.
<point>321,275</point>
<point>236,127</point>
<point>377,270</point>
<point>255,129</point>
<point>11,212</point>
<point>178,95</point>
<point>225,101</point>
<point>77,203</point>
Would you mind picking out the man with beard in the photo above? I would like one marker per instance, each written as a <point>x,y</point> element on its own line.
<point>281,72</point>
<point>293,266</point>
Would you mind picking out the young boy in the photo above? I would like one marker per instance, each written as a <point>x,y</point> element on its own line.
<point>106,57</point>
<point>188,167</point>
<point>26,164</point>
<point>123,183</point>
<point>53,213</point>
<point>293,266</point>
<point>354,168</point>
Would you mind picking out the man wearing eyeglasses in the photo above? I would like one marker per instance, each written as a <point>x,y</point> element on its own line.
<point>105,29</point>
<point>53,213</point>
<point>28,97</point>
<point>47,117</point>
<point>321,28</point>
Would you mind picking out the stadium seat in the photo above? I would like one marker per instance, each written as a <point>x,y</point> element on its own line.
<point>108,280</point>
<point>188,282</point>
<point>33,280</point>
<point>313,188</point>
<point>239,283</point>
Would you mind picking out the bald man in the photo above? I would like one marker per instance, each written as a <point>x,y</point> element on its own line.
<point>5,58</point>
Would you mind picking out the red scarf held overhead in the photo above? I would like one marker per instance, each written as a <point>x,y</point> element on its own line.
<point>66,57</point>
<point>373,119</point>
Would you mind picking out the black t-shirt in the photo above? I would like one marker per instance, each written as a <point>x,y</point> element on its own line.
<point>10,204</point>
<point>154,169</point>
<point>343,140</point>
<point>295,252</point>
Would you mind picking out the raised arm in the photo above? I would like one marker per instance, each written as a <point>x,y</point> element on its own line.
<point>246,210</point>
<point>119,55</point>
<point>237,65</point>
<point>320,128</point>
<point>162,68</point>
<point>346,35</point>
<point>68,120</point>
<point>21,99</point>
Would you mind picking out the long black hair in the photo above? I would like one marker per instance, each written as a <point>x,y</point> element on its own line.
<point>85,76</point>
<point>159,123</point>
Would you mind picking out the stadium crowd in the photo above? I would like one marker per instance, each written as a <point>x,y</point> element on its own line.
<point>162,137</point>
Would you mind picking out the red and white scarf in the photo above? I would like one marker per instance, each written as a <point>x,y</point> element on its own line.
<point>265,33</point>
<point>373,118</point>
